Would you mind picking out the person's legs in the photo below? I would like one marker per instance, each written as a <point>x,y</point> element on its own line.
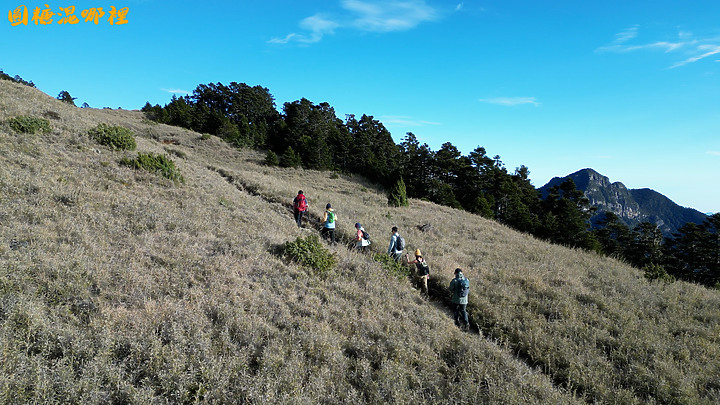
<point>332,235</point>
<point>461,316</point>
<point>299,218</point>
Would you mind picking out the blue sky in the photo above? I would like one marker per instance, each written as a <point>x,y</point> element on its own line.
<point>628,88</point>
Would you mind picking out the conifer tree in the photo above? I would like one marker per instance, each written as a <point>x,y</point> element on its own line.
<point>398,195</point>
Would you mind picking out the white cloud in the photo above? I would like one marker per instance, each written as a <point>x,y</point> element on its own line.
<point>694,49</point>
<point>459,6</point>
<point>710,51</point>
<point>511,101</point>
<point>363,15</point>
<point>714,153</point>
<point>176,91</point>
<point>387,16</point>
<point>316,27</point>
<point>626,35</point>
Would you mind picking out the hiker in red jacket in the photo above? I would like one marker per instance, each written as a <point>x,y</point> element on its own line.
<point>300,205</point>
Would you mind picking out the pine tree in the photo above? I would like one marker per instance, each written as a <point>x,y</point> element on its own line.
<point>398,195</point>
<point>290,158</point>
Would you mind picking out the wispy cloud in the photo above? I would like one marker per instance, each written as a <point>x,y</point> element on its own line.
<point>693,49</point>
<point>714,153</point>
<point>176,91</point>
<point>405,121</point>
<point>363,15</point>
<point>387,16</point>
<point>710,51</point>
<point>511,101</point>
<point>314,28</point>
<point>459,6</point>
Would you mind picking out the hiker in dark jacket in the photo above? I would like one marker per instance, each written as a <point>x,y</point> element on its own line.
<point>423,270</point>
<point>300,205</point>
<point>459,287</point>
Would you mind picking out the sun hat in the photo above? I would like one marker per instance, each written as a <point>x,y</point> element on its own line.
<point>418,253</point>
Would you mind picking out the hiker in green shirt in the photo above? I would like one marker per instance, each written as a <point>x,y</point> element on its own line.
<point>329,219</point>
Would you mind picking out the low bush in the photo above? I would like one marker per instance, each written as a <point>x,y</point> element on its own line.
<point>115,137</point>
<point>311,253</point>
<point>657,272</point>
<point>26,124</point>
<point>160,164</point>
<point>397,269</point>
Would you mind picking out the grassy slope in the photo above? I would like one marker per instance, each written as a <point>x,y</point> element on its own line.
<point>117,285</point>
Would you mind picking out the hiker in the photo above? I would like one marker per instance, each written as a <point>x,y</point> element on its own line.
<point>460,287</point>
<point>395,250</point>
<point>422,269</point>
<point>328,231</point>
<point>300,205</point>
<point>362,238</point>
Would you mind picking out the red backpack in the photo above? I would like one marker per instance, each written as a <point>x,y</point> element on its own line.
<point>300,203</point>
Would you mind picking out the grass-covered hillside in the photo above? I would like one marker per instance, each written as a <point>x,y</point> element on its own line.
<point>120,284</point>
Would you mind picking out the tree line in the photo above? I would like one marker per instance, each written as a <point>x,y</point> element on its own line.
<point>311,136</point>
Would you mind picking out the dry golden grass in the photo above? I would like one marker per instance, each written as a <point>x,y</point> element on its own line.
<point>118,285</point>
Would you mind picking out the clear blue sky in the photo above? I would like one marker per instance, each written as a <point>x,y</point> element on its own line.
<point>628,88</point>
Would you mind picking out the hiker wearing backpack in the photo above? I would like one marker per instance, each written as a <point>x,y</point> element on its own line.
<point>362,238</point>
<point>397,245</point>
<point>422,269</point>
<point>328,231</point>
<point>460,288</point>
<point>300,205</point>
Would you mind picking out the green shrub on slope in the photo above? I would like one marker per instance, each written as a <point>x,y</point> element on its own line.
<point>26,124</point>
<point>311,253</point>
<point>153,163</point>
<point>115,137</point>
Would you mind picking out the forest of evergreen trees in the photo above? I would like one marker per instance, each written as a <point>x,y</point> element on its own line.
<point>312,136</point>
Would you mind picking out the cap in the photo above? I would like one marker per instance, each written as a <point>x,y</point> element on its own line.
<point>417,252</point>
<point>357,225</point>
<point>458,270</point>
<point>327,207</point>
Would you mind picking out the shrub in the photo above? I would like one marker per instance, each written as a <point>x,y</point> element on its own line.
<point>26,124</point>
<point>311,253</point>
<point>397,269</point>
<point>657,272</point>
<point>153,163</point>
<point>115,137</point>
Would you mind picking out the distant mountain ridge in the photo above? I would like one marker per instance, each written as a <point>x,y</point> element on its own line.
<point>633,206</point>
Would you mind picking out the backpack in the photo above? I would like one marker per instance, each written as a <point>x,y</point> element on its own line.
<point>462,287</point>
<point>300,203</point>
<point>423,268</point>
<point>399,243</point>
<point>331,217</point>
<point>366,235</point>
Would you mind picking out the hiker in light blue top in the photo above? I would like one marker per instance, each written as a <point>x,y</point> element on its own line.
<point>460,287</point>
<point>329,219</point>
<point>395,250</point>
